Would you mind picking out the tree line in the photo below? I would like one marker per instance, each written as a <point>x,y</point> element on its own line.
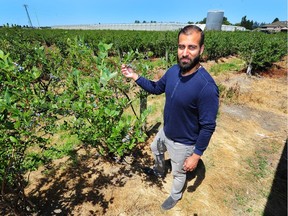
<point>248,24</point>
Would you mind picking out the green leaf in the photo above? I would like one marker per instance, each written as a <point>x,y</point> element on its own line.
<point>7,97</point>
<point>35,73</point>
<point>13,139</point>
<point>104,47</point>
<point>112,75</point>
<point>1,54</point>
<point>17,124</point>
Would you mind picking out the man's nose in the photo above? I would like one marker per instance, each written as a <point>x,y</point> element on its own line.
<point>185,52</point>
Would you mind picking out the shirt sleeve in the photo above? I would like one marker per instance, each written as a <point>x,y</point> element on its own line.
<point>153,87</point>
<point>208,109</point>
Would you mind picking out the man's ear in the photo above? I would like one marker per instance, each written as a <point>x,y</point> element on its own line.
<point>202,49</point>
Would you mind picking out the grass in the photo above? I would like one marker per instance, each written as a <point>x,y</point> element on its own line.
<point>229,94</point>
<point>258,172</point>
<point>62,146</point>
<point>258,165</point>
<point>234,64</point>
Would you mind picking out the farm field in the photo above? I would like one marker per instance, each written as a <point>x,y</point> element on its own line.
<point>239,173</point>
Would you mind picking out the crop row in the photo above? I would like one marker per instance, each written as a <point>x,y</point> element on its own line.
<point>258,49</point>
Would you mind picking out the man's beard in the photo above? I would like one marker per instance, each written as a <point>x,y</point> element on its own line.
<point>187,66</point>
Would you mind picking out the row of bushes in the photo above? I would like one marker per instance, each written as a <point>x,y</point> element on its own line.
<point>257,49</point>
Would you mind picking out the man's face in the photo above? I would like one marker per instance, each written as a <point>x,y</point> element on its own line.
<point>189,51</point>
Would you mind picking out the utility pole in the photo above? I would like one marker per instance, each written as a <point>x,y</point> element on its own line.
<point>28,15</point>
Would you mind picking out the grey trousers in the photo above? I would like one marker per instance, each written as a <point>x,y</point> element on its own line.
<point>178,153</point>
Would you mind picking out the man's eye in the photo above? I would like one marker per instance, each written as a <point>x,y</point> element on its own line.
<point>192,47</point>
<point>181,47</point>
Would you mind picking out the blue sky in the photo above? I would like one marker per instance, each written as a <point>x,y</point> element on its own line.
<point>69,12</point>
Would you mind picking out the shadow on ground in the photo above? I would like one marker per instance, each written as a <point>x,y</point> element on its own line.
<point>198,175</point>
<point>84,179</point>
<point>277,200</point>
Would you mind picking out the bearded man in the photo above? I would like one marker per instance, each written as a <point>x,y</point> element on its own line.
<point>191,106</point>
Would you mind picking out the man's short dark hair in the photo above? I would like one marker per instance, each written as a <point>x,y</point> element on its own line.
<point>192,28</point>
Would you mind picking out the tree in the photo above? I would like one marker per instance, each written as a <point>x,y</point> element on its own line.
<point>255,25</point>
<point>225,21</point>
<point>275,20</point>
<point>202,22</point>
<point>248,24</point>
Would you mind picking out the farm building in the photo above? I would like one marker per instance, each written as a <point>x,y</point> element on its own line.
<point>143,26</point>
<point>279,26</point>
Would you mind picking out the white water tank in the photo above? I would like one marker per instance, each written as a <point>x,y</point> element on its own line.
<point>214,20</point>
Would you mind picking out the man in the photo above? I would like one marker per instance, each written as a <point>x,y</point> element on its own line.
<point>191,106</point>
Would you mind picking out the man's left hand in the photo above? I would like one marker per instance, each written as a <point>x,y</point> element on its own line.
<point>191,162</point>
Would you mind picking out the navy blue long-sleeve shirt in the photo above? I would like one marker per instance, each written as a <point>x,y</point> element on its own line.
<point>191,105</point>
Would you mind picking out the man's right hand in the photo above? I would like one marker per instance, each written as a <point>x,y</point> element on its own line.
<point>129,72</point>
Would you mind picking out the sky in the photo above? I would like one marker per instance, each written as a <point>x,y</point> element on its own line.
<point>77,12</point>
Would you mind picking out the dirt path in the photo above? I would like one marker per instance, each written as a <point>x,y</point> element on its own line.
<point>235,176</point>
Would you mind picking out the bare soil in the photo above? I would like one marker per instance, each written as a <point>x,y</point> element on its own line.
<point>240,173</point>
